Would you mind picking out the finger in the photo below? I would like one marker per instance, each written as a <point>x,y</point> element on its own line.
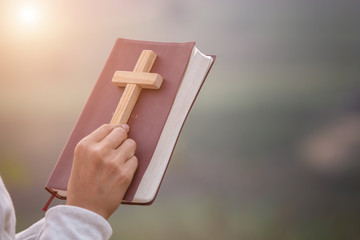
<point>116,137</point>
<point>126,174</point>
<point>131,165</point>
<point>100,133</point>
<point>126,150</point>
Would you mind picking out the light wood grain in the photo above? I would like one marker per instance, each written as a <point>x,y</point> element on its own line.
<point>134,82</point>
<point>143,79</point>
<point>145,61</point>
<point>126,104</point>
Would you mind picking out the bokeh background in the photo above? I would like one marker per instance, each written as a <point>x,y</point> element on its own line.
<point>271,147</point>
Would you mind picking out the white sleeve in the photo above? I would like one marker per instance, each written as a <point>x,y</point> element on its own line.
<point>60,222</point>
<point>32,232</point>
<point>68,222</point>
<point>7,214</point>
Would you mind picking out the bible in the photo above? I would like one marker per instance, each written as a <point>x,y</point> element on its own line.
<point>155,120</point>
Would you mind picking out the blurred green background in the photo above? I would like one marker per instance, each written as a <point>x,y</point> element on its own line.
<point>270,149</point>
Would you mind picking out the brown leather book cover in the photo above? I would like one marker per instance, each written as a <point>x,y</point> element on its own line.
<point>149,114</point>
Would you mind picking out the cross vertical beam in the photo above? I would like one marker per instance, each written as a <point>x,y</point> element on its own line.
<point>134,82</point>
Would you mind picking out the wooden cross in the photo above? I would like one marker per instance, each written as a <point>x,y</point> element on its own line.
<point>133,82</point>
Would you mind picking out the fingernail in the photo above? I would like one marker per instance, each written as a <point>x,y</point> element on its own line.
<point>125,126</point>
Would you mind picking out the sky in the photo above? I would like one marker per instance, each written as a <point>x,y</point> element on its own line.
<point>286,72</point>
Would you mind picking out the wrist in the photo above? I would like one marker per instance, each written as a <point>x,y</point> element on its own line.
<point>89,207</point>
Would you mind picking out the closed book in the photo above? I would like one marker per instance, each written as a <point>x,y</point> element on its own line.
<point>156,120</point>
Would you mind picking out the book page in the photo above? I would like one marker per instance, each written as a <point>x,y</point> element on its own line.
<point>194,76</point>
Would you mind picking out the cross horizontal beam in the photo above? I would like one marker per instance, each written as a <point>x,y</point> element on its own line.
<point>134,82</point>
<point>143,79</point>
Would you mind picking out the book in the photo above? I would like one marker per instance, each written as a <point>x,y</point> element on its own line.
<point>156,120</point>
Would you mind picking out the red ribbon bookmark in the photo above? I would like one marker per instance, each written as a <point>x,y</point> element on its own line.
<point>45,208</point>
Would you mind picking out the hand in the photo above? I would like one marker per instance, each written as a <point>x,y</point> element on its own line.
<point>102,170</point>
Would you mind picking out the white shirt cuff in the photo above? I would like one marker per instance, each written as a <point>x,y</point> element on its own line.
<point>70,222</point>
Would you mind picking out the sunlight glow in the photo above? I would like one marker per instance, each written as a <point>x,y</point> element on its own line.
<point>31,22</point>
<point>28,14</point>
